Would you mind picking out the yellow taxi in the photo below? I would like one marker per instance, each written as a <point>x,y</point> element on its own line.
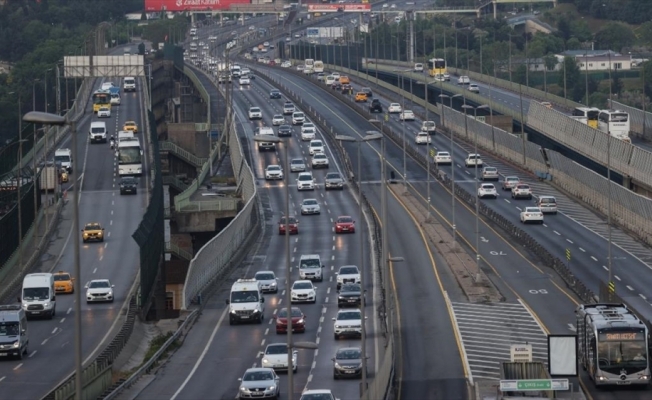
<point>93,231</point>
<point>344,80</point>
<point>64,283</point>
<point>361,97</point>
<point>130,126</point>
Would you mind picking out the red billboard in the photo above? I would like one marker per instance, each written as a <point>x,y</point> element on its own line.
<point>191,5</point>
<point>339,7</point>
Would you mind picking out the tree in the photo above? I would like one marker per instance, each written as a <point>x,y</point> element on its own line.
<point>580,30</point>
<point>550,62</point>
<point>614,36</point>
<point>519,75</point>
<point>573,44</point>
<point>616,83</point>
<point>564,28</point>
<point>572,72</point>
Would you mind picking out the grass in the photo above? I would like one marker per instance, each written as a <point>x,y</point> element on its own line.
<point>156,343</point>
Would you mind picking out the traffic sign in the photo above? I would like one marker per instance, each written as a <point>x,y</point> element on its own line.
<point>524,385</point>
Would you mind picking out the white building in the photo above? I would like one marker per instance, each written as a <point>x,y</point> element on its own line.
<point>601,60</point>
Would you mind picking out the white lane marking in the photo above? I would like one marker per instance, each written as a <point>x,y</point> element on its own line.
<point>569,241</point>
<point>605,268</point>
<point>267,330</point>
<point>582,250</point>
<point>62,320</point>
<point>629,287</point>
<point>262,343</point>
<point>18,366</point>
<point>69,311</point>
<point>2,379</point>
<point>594,259</point>
<point>44,342</point>
<point>31,354</point>
<point>643,297</point>
<point>617,277</point>
<point>54,331</point>
<point>557,233</point>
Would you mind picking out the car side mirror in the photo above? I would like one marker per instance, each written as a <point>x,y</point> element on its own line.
<point>334,319</point>
<point>54,298</point>
<point>239,379</point>
<point>323,266</point>
<point>23,332</point>
<point>18,298</point>
<point>365,317</point>
<point>102,229</point>
<point>261,353</point>
<point>262,299</point>
<point>333,359</point>
<point>112,286</point>
<point>228,301</point>
<point>82,230</point>
<point>365,290</point>
<point>337,273</point>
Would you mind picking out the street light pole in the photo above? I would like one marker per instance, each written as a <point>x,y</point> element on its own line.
<point>452,152</point>
<point>402,114</point>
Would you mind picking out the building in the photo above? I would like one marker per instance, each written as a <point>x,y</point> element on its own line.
<point>601,60</point>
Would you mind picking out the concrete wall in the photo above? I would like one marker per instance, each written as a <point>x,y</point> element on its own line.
<point>185,136</point>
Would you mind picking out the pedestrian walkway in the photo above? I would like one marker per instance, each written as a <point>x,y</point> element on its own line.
<point>488,330</point>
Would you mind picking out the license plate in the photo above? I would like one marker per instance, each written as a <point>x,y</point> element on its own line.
<point>349,372</point>
<point>244,317</point>
<point>352,301</point>
<point>36,312</point>
<point>4,354</point>
<point>345,229</point>
<point>623,382</point>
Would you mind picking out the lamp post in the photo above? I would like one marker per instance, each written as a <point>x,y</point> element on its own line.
<point>403,71</point>
<point>345,138</point>
<point>288,274</point>
<point>477,181</point>
<point>38,117</point>
<point>45,151</point>
<point>452,145</point>
<point>429,216</point>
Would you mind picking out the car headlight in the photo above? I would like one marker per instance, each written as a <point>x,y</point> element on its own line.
<point>301,321</point>
<point>272,387</point>
<point>46,304</point>
<point>272,284</point>
<point>233,312</point>
<point>16,344</point>
<point>243,389</point>
<point>312,293</point>
<point>265,361</point>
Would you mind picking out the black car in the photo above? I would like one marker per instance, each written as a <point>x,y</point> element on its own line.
<point>128,184</point>
<point>284,130</point>
<point>347,363</point>
<point>275,94</point>
<point>347,89</point>
<point>336,86</point>
<point>350,295</point>
<point>375,106</point>
<point>368,92</point>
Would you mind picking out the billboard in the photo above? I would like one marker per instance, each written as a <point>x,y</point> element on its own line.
<point>339,7</point>
<point>325,32</point>
<point>191,5</point>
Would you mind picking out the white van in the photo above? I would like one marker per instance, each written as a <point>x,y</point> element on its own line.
<point>246,302</point>
<point>129,84</point>
<point>63,157</point>
<point>38,296</point>
<point>310,267</point>
<point>14,336</point>
<point>97,132</point>
<point>265,130</point>
<point>115,99</point>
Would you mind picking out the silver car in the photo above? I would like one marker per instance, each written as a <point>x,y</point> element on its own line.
<point>297,165</point>
<point>310,206</point>
<point>268,281</point>
<point>334,181</point>
<point>259,383</point>
<point>490,174</point>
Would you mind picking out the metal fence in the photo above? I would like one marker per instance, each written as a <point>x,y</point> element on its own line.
<point>641,122</point>
<point>212,260</point>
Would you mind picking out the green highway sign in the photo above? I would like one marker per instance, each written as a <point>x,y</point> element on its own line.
<point>524,385</point>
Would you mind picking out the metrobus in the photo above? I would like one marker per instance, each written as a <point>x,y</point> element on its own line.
<point>612,344</point>
<point>615,123</point>
<point>436,66</point>
<point>587,115</point>
<point>101,98</point>
<point>130,157</point>
<point>318,67</point>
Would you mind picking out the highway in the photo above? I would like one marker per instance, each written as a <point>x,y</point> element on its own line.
<point>533,284</point>
<point>51,350</point>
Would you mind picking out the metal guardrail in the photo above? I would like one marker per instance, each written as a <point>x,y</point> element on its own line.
<point>220,204</point>
<point>178,251</point>
<point>183,153</point>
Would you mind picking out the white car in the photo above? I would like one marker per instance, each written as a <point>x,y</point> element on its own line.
<point>336,75</point>
<point>298,118</point>
<point>472,160</point>
<point>305,181</point>
<point>107,85</point>
<point>316,146</point>
<point>463,80</point>
<point>510,182</point>
<point>286,64</point>
<point>244,80</point>
<point>348,323</point>
<point>301,67</point>
<point>319,160</point>
<point>447,77</point>
<point>307,134</point>
<point>276,356</point>
<point>267,281</point>
<point>330,79</point>
<point>394,108</point>
<point>310,206</point>
<point>474,88</point>
<point>418,67</point>
<point>347,274</point>
<point>522,190</point>
<point>99,290</point>
<point>104,112</point>
<point>422,138</point>
<point>245,71</point>
<point>303,291</point>
<point>406,115</point>
<point>255,113</point>
<point>273,172</point>
<point>487,190</point>
<point>278,119</point>
<point>321,394</point>
<point>428,126</point>
<point>490,174</point>
<point>532,214</point>
<point>115,100</point>
<point>392,6</point>
<point>297,165</point>
<point>443,157</point>
<point>307,124</point>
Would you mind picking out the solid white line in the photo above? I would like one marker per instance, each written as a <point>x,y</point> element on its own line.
<point>201,357</point>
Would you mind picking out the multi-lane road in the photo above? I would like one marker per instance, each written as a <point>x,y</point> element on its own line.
<point>51,350</point>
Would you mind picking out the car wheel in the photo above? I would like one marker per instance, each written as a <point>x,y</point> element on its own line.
<point>336,337</point>
<point>335,376</point>
<point>20,355</point>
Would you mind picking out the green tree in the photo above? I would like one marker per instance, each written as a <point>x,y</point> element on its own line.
<point>616,83</point>
<point>573,44</point>
<point>598,99</point>
<point>550,62</point>
<point>614,36</point>
<point>572,73</point>
<point>580,29</point>
<point>519,74</point>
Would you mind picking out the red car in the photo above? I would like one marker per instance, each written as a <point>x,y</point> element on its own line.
<point>294,226</point>
<point>298,321</point>
<point>344,224</point>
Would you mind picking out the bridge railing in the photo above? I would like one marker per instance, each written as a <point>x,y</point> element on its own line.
<point>183,153</point>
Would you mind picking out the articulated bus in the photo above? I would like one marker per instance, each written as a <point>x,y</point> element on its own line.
<point>587,115</point>
<point>436,66</point>
<point>101,98</point>
<point>130,157</point>
<point>616,123</point>
<point>613,345</point>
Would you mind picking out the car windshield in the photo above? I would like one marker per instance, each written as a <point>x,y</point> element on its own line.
<point>303,285</point>
<point>310,263</point>
<point>348,354</point>
<point>531,209</point>
<point>488,186</point>
<point>546,200</point>
<point>309,202</point>
<point>284,312</point>
<point>254,109</point>
<point>273,168</point>
<point>511,179</point>
<point>316,144</point>
<point>277,349</point>
<point>298,115</point>
<point>9,328</point>
<point>62,277</point>
<point>297,162</point>
<point>93,227</point>
<point>348,270</point>
<point>332,175</point>
<point>128,181</point>
<point>320,155</point>
<point>244,296</point>
<point>36,293</point>
<point>345,219</point>
<point>292,220</point>
<point>305,178</point>
<point>257,376</point>
<point>266,276</point>
<point>317,396</point>
<point>443,154</point>
<point>490,169</point>
<point>278,117</point>
<point>99,284</point>
<point>348,315</point>
<point>523,187</point>
<point>350,288</point>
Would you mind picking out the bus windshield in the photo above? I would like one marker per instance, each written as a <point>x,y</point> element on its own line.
<point>129,155</point>
<point>616,355</point>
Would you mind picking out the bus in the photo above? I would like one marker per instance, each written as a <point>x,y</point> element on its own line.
<point>101,98</point>
<point>318,67</point>
<point>130,157</point>
<point>436,66</point>
<point>612,344</point>
<point>587,115</point>
<point>615,123</point>
<point>310,65</point>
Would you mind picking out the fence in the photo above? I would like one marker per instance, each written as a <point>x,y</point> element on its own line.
<point>641,122</point>
<point>214,258</point>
